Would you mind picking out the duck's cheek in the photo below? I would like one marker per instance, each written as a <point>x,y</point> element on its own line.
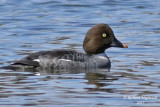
<point>107,41</point>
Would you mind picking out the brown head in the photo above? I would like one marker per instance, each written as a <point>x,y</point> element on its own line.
<point>100,37</point>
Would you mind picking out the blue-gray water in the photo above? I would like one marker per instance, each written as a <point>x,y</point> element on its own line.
<point>28,26</point>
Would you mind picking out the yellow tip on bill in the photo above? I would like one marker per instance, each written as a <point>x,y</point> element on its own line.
<point>124,46</point>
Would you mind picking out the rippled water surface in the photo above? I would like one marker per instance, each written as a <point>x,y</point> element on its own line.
<point>28,26</point>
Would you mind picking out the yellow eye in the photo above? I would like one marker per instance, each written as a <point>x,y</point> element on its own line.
<point>104,35</point>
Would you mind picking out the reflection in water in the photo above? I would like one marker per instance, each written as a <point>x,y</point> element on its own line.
<point>100,80</point>
<point>76,84</point>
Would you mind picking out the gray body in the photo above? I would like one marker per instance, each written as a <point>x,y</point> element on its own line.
<point>64,59</point>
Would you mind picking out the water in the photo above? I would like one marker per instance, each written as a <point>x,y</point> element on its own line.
<point>34,25</point>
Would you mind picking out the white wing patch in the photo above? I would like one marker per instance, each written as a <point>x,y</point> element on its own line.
<point>37,73</point>
<point>102,57</point>
<point>64,60</point>
<point>37,60</point>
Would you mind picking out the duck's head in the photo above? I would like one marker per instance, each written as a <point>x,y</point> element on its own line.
<point>100,37</point>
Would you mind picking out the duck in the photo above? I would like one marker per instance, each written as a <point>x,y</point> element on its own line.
<point>97,39</point>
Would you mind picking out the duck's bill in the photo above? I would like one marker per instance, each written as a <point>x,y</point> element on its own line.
<point>117,43</point>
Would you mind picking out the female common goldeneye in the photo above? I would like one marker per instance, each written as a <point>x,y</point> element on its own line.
<point>97,40</point>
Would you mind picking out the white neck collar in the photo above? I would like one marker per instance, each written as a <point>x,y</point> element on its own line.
<point>102,54</point>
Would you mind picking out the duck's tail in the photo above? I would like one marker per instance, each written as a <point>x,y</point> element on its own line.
<point>8,67</point>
